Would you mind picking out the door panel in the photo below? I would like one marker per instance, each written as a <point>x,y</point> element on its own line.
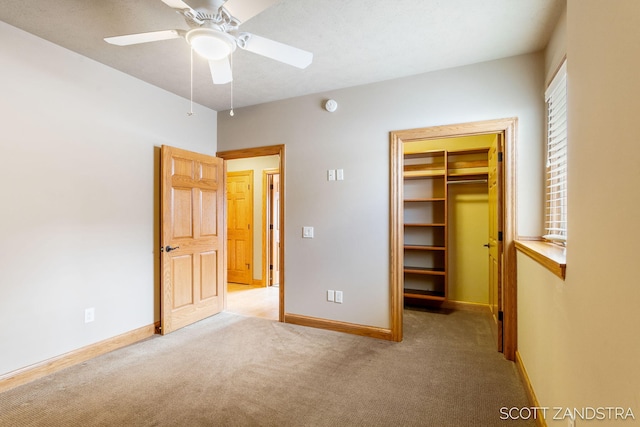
<point>240,227</point>
<point>495,242</point>
<point>208,274</point>
<point>192,199</point>
<point>208,225</point>
<point>182,278</point>
<point>181,213</point>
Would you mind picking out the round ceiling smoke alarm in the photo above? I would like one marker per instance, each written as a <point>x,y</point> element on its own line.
<point>331,105</point>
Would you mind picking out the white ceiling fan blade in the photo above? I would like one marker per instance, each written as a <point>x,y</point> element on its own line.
<point>176,4</point>
<point>275,50</point>
<point>220,71</point>
<point>152,36</point>
<point>244,10</point>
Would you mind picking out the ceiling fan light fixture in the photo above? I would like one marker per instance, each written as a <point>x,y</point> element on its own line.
<point>211,44</point>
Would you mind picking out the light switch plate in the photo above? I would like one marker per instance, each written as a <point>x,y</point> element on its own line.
<point>340,174</point>
<point>89,315</point>
<point>331,175</point>
<point>331,296</point>
<point>338,296</point>
<point>307,232</point>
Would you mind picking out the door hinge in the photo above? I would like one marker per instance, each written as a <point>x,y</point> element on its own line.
<point>499,236</point>
<point>271,187</point>
<point>500,315</point>
<point>270,226</point>
<point>500,156</point>
<point>270,266</point>
<point>248,266</point>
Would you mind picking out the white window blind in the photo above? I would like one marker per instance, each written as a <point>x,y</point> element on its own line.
<point>556,184</point>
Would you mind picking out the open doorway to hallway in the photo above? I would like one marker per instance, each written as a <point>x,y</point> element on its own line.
<point>255,285</point>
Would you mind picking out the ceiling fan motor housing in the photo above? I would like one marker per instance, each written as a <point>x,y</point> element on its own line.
<point>210,43</point>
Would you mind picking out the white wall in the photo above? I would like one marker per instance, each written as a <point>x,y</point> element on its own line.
<point>578,338</point>
<point>557,48</point>
<point>79,177</point>
<point>350,251</point>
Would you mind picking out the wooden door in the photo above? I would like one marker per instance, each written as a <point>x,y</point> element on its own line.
<point>495,238</point>
<point>274,229</point>
<point>193,237</point>
<point>240,227</point>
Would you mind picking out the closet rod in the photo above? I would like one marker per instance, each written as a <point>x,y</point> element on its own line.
<point>468,181</point>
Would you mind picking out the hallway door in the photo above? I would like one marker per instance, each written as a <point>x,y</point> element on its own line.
<point>273,232</point>
<point>240,227</point>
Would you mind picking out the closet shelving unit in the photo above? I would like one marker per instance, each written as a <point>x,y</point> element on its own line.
<point>468,166</point>
<point>427,176</point>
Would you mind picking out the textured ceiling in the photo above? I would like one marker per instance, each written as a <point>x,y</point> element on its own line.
<point>354,42</point>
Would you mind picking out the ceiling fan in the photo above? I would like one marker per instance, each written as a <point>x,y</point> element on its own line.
<point>214,34</point>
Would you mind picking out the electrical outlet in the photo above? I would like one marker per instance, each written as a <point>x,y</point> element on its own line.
<point>339,297</point>
<point>89,315</point>
<point>340,174</point>
<point>331,297</point>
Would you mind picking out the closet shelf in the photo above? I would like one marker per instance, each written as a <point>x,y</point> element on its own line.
<point>424,154</point>
<point>429,271</point>
<point>425,248</point>
<point>474,162</point>
<point>428,199</point>
<point>467,151</point>
<point>423,294</point>
<point>475,172</point>
<point>421,174</point>
<point>425,225</point>
<point>471,179</point>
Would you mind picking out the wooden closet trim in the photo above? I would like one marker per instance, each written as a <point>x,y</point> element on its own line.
<point>508,128</point>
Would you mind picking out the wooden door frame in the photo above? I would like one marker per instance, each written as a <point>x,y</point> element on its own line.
<point>508,128</point>
<point>266,217</point>
<point>270,150</point>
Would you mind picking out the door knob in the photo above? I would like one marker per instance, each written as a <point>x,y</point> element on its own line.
<point>486,246</point>
<point>169,248</point>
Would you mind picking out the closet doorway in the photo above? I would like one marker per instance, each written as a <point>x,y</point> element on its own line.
<point>498,195</point>
<point>267,264</point>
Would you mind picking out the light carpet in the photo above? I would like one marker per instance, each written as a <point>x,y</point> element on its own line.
<point>232,370</point>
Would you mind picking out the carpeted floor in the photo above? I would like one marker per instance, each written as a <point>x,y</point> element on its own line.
<point>231,370</point>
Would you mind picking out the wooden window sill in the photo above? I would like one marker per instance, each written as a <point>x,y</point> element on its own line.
<point>550,256</point>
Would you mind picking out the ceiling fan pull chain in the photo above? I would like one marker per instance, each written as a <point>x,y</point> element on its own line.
<point>190,113</point>
<point>231,66</point>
